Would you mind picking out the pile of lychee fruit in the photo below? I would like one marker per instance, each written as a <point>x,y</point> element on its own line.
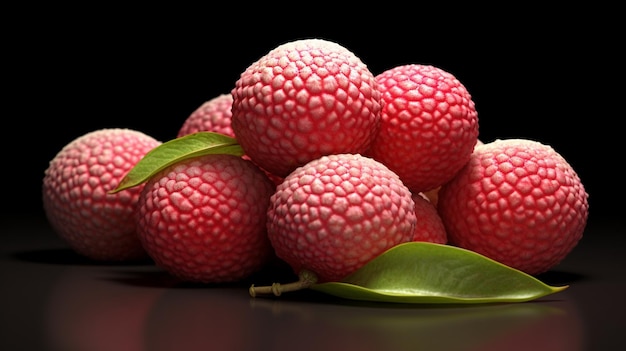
<point>339,166</point>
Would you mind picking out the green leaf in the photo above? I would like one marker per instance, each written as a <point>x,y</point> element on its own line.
<point>422,272</point>
<point>176,150</point>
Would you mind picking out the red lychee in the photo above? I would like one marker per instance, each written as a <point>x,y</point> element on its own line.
<point>429,226</point>
<point>432,194</point>
<point>76,196</point>
<point>213,115</point>
<point>204,219</point>
<point>336,213</point>
<point>302,100</point>
<point>518,202</point>
<point>429,125</point>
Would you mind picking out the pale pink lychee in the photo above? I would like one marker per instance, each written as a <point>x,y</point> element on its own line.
<point>76,198</point>
<point>334,214</point>
<point>302,100</point>
<point>213,115</point>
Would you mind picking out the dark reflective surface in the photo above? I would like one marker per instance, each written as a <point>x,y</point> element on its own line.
<point>53,299</point>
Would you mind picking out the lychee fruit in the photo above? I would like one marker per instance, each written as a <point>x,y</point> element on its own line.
<point>334,214</point>
<point>518,202</point>
<point>204,219</point>
<point>429,125</point>
<point>432,194</point>
<point>302,100</point>
<point>76,198</point>
<point>429,226</point>
<point>213,115</point>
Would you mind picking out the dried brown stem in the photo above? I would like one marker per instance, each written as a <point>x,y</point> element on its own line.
<point>306,278</point>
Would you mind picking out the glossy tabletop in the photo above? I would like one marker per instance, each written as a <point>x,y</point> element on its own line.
<point>53,299</point>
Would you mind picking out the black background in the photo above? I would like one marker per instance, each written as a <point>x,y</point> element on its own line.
<point>550,75</point>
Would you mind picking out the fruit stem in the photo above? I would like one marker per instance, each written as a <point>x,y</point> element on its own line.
<point>306,278</point>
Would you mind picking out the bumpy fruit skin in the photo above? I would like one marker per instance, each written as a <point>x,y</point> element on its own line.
<point>429,226</point>
<point>302,100</point>
<point>336,213</point>
<point>429,125</point>
<point>213,115</point>
<point>204,219</point>
<point>518,202</point>
<point>76,197</point>
<point>432,194</point>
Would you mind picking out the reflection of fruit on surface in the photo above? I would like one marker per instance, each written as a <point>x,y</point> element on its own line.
<point>205,319</point>
<point>428,226</point>
<point>384,327</point>
<point>558,328</point>
<point>429,125</point>
<point>302,100</point>
<point>78,206</point>
<point>334,214</point>
<point>203,219</point>
<point>518,202</point>
<point>213,115</point>
<point>88,311</point>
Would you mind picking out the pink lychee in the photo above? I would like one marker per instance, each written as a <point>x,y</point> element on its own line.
<point>204,219</point>
<point>429,125</point>
<point>76,197</point>
<point>302,100</point>
<point>518,202</point>
<point>429,226</point>
<point>334,214</point>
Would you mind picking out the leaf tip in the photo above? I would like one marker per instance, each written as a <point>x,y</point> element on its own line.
<point>123,185</point>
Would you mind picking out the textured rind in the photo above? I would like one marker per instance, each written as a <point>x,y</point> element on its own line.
<point>429,125</point>
<point>204,219</point>
<point>432,194</point>
<point>429,226</point>
<point>335,213</point>
<point>303,100</point>
<point>76,201</point>
<point>518,202</point>
<point>213,115</point>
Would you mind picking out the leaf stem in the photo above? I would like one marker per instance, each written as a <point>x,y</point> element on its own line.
<point>306,278</point>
